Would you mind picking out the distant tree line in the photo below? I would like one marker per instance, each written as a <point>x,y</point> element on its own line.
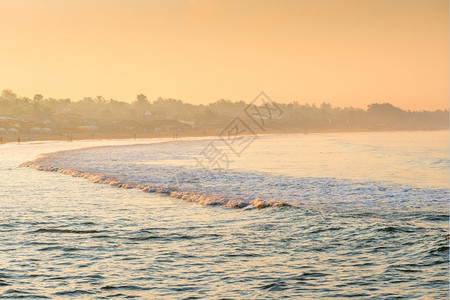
<point>166,114</point>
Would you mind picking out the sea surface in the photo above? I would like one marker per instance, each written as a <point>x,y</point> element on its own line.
<point>337,215</point>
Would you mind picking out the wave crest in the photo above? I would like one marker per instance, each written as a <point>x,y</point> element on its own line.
<point>186,195</point>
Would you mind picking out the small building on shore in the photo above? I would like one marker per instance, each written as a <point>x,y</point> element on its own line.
<point>35,130</point>
<point>13,131</point>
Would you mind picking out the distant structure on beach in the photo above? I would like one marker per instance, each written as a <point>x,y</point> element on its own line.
<point>45,116</point>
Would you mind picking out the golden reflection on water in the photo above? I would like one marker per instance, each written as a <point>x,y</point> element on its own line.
<point>115,241</point>
<point>414,158</point>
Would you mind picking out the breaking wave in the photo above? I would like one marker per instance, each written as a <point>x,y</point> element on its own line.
<point>186,195</point>
<point>169,168</point>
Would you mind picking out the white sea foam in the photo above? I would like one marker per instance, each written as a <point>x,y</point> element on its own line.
<point>186,195</point>
<point>170,168</point>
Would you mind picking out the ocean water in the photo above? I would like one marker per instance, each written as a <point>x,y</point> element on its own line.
<point>299,216</point>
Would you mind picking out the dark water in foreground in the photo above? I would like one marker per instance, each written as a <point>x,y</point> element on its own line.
<point>67,237</point>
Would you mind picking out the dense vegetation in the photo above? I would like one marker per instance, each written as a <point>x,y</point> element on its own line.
<point>169,115</point>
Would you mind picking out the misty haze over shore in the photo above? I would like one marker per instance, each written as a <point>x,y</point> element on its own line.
<point>96,115</point>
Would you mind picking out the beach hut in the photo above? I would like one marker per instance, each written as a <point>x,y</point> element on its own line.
<point>46,130</point>
<point>91,128</point>
<point>87,128</point>
<point>13,131</point>
<point>35,130</point>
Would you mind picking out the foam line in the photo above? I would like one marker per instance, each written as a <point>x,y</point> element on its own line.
<point>189,196</point>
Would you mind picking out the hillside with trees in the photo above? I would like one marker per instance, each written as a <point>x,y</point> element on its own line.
<point>165,116</point>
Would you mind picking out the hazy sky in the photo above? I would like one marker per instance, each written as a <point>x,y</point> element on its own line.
<point>347,53</point>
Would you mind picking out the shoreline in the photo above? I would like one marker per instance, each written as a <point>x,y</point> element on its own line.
<point>127,136</point>
<point>162,184</point>
<point>201,198</point>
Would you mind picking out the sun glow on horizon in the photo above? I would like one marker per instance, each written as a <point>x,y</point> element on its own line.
<point>347,53</point>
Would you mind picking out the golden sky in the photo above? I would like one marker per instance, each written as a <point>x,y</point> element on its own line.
<point>345,52</point>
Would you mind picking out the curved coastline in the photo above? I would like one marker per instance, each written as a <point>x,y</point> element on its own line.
<point>168,167</point>
<point>189,196</point>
